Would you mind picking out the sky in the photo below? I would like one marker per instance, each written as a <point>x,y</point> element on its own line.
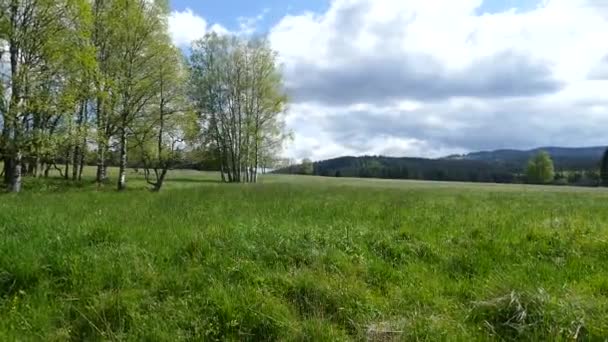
<point>426,78</point>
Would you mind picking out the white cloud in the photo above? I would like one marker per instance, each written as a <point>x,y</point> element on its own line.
<point>187,26</point>
<point>249,25</point>
<point>426,77</point>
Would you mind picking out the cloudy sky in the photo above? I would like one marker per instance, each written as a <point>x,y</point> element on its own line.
<point>427,77</point>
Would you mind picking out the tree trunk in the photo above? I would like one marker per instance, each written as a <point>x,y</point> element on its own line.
<point>102,142</point>
<point>16,172</point>
<point>229,173</point>
<point>38,166</point>
<point>8,170</point>
<point>75,162</point>
<point>84,148</point>
<point>256,160</point>
<point>222,172</point>
<point>14,180</point>
<point>29,167</point>
<point>77,146</point>
<point>81,166</point>
<point>160,180</point>
<point>122,176</point>
<point>101,167</point>
<point>66,174</point>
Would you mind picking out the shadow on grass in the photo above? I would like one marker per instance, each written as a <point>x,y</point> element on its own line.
<point>55,184</point>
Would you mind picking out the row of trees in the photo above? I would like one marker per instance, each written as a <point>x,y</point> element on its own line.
<point>102,76</point>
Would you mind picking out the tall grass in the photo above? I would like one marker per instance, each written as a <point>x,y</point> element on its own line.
<point>303,259</point>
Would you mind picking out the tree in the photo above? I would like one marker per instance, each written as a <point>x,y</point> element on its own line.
<point>594,177</point>
<point>604,169</point>
<point>239,97</point>
<point>138,26</point>
<point>307,166</point>
<point>104,98</point>
<point>540,169</point>
<point>163,127</point>
<point>41,37</point>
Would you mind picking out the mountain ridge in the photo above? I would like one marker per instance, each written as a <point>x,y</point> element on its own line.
<point>554,151</point>
<point>564,158</point>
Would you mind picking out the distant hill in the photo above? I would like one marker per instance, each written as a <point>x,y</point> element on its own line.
<point>565,158</point>
<point>409,168</point>
<point>500,166</point>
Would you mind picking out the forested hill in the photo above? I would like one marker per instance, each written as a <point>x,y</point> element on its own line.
<point>501,166</point>
<point>565,158</point>
<point>407,168</point>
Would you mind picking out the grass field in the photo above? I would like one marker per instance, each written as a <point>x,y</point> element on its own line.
<point>303,259</point>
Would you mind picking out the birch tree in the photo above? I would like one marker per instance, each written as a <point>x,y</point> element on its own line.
<point>138,26</point>
<point>101,41</point>
<point>237,86</point>
<point>33,32</point>
<point>161,132</point>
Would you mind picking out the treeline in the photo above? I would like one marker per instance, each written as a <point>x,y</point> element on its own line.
<point>99,81</point>
<point>451,169</point>
<point>406,168</point>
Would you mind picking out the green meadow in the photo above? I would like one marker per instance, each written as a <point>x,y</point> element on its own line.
<point>298,258</point>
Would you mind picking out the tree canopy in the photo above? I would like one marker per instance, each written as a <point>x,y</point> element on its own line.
<point>540,169</point>
<point>238,93</point>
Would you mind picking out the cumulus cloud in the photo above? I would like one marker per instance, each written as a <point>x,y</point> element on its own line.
<point>445,127</point>
<point>431,77</point>
<point>600,70</point>
<point>249,25</point>
<point>186,26</point>
<point>378,79</point>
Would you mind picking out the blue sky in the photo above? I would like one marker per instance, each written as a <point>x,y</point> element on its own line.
<point>227,12</point>
<point>495,6</point>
